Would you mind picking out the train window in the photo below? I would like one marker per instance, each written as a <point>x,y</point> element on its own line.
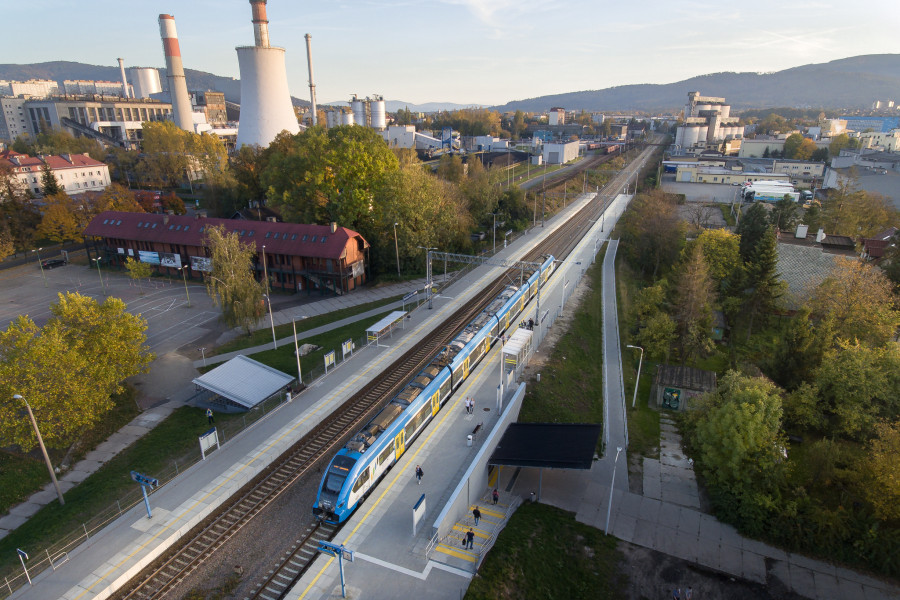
<point>361,480</point>
<point>445,388</point>
<point>385,454</point>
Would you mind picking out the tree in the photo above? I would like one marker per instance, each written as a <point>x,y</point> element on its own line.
<point>49,183</point>
<point>652,232</point>
<point>752,228</point>
<point>137,270</point>
<point>763,281</point>
<point>792,145</point>
<point>172,154</point>
<point>231,284</point>
<point>806,150</point>
<point>450,168</point>
<point>699,215</point>
<point>7,246</point>
<point>62,221</point>
<point>858,301</point>
<point>812,216</point>
<point>692,305</point>
<point>799,351</point>
<point>657,336</point>
<point>882,470</point>
<point>721,249</point>
<point>784,214</point>
<point>738,432</point>
<point>858,385</point>
<point>820,155</point>
<point>69,368</point>
<point>116,197</point>
<point>856,213</point>
<point>891,263</point>
<point>839,142</point>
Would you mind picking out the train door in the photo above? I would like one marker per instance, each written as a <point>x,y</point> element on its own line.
<point>466,368</point>
<point>400,444</point>
<point>436,403</point>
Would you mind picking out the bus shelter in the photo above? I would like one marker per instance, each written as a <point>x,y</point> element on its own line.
<point>240,384</point>
<point>517,350</point>
<point>385,326</point>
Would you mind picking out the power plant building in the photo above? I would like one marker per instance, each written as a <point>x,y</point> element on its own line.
<point>266,107</point>
<point>707,123</point>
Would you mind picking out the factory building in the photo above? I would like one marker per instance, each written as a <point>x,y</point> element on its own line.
<point>559,154</point>
<point>266,107</point>
<point>212,105</point>
<point>406,136</point>
<point>33,87</point>
<point>707,123</point>
<point>369,112</point>
<point>300,258</point>
<point>76,173</point>
<point>336,117</point>
<point>84,87</point>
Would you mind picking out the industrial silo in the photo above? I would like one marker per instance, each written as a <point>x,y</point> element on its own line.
<point>359,107</point>
<point>145,81</point>
<point>332,118</point>
<point>346,118</point>
<point>379,118</point>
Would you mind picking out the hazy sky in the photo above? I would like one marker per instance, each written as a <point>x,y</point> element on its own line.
<point>466,51</point>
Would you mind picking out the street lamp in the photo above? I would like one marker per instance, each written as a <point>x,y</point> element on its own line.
<point>427,272</point>
<point>41,265</point>
<point>495,231</point>
<point>272,321</point>
<point>100,275</point>
<point>611,484</point>
<point>265,269</point>
<point>183,269</point>
<point>397,249</point>
<point>638,380</point>
<point>37,432</point>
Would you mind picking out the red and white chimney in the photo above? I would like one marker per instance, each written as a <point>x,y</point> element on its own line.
<point>181,102</point>
<point>260,23</point>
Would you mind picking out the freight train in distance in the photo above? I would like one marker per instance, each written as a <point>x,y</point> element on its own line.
<point>363,461</point>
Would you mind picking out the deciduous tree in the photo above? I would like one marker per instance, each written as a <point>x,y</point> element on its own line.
<point>231,283</point>
<point>692,305</point>
<point>137,270</point>
<point>652,232</point>
<point>882,468</point>
<point>784,214</point>
<point>63,220</point>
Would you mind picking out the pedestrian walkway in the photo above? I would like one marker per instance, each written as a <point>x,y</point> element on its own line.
<point>671,477</point>
<point>92,461</point>
<point>493,518</point>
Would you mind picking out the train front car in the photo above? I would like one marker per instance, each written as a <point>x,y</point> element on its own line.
<point>330,503</point>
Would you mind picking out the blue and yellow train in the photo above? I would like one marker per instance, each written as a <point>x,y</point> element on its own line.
<point>364,460</point>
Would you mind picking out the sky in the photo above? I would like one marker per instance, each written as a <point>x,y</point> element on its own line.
<point>474,52</point>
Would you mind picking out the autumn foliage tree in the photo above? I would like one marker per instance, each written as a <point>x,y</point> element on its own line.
<point>231,283</point>
<point>68,369</point>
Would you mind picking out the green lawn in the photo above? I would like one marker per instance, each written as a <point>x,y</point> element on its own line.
<point>263,336</point>
<point>571,386</point>
<point>544,553</point>
<point>726,214</point>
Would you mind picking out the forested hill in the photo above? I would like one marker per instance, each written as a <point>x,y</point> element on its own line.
<point>853,82</point>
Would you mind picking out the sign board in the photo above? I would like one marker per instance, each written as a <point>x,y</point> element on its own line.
<point>347,348</point>
<point>418,512</point>
<point>168,259</point>
<point>329,360</point>
<point>148,257</point>
<point>410,295</point>
<point>207,441</point>
<point>201,263</point>
<point>144,479</point>
<point>22,553</point>
<point>335,550</point>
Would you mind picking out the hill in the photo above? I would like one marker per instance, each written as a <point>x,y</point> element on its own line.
<point>853,82</point>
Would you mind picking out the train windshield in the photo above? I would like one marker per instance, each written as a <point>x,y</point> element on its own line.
<point>337,473</point>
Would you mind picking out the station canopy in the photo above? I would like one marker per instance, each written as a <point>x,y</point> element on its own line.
<point>385,325</point>
<point>244,381</point>
<point>548,445</point>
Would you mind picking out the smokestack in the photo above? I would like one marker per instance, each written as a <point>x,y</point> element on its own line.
<point>124,80</point>
<point>260,23</point>
<point>181,102</point>
<point>312,83</point>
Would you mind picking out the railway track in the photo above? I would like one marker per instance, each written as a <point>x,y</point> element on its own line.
<point>202,542</point>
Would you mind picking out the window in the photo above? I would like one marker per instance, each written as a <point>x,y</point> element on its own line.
<point>313,240</point>
<point>154,226</point>
<point>171,227</point>
<point>250,233</point>
<point>139,223</point>
<point>268,233</point>
<point>304,237</point>
<point>324,238</point>
<point>119,222</point>
<point>105,221</point>
<point>243,231</point>
<point>178,228</point>
<point>293,237</point>
<point>186,227</point>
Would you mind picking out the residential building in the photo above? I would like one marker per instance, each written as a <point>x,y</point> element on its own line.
<point>298,258</point>
<point>76,173</point>
<point>556,116</point>
<point>880,140</point>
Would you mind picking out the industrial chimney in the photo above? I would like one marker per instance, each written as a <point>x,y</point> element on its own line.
<point>312,82</point>
<point>181,102</point>
<point>266,108</point>
<point>124,80</point>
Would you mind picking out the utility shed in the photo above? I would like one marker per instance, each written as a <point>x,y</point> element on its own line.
<point>675,385</point>
<point>242,384</point>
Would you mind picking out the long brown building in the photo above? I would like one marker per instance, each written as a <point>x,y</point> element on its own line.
<point>299,258</point>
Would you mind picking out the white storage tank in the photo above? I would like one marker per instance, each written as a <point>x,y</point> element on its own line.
<point>145,81</point>
<point>359,110</point>
<point>346,118</point>
<point>692,134</point>
<point>332,118</point>
<point>379,118</point>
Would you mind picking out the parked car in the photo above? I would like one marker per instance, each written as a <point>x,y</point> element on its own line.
<point>53,262</point>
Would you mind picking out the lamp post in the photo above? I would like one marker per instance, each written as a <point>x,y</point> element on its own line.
<point>37,432</point>
<point>271,320</point>
<point>397,249</point>
<point>265,269</point>
<point>611,484</point>
<point>638,380</point>
<point>100,275</point>
<point>427,272</point>
<point>495,232</point>
<point>41,265</point>
<point>183,269</point>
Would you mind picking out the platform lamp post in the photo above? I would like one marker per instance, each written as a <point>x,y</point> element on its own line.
<point>271,320</point>
<point>99,274</point>
<point>495,231</point>
<point>397,249</point>
<point>638,380</point>
<point>183,269</point>
<point>41,265</point>
<point>37,432</point>
<point>428,293</point>
<point>611,487</point>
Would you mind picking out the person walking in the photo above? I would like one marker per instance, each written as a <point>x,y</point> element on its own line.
<point>495,496</point>
<point>419,473</point>
<point>209,416</point>
<point>689,593</point>
<point>676,594</point>
<point>470,539</point>
<point>471,406</point>
<point>477,514</point>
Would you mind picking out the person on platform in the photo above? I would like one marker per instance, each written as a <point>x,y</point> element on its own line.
<point>470,539</point>
<point>477,514</point>
<point>419,473</point>
<point>495,496</point>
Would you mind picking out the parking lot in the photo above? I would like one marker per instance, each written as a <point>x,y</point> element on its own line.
<point>701,192</point>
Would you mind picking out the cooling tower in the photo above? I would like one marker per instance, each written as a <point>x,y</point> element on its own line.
<point>145,81</point>
<point>266,108</point>
<point>181,102</point>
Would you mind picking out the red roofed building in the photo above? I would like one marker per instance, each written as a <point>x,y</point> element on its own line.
<point>298,257</point>
<point>76,173</point>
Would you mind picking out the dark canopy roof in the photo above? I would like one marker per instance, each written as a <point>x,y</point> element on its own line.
<point>550,445</point>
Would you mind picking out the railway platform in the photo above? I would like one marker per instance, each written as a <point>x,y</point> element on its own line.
<point>107,561</point>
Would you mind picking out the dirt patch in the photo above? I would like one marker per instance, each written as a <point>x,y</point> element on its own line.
<point>653,575</point>
<point>560,328</point>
